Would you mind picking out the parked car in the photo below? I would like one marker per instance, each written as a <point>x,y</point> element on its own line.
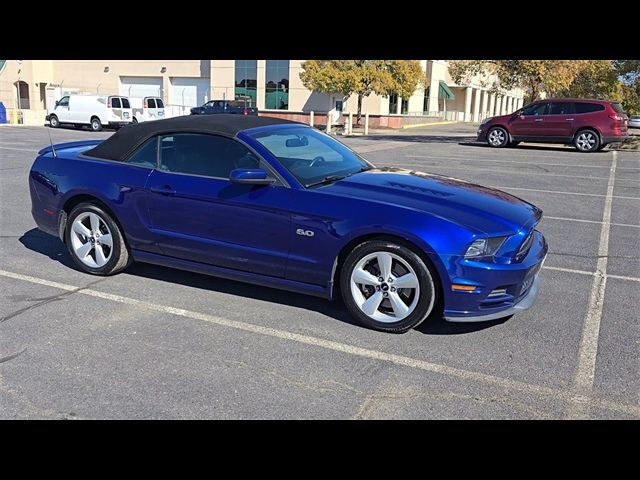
<point>634,121</point>
<point>280,204</point>
<point>588,124</point>
<point>146,108</point>
<point>224,106</point>
<point>96,111</point>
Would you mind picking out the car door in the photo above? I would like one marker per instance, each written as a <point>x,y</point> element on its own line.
<point>559,123</point>
<point>197,214</point>
<point>530,122</point>
<point>61,109</point>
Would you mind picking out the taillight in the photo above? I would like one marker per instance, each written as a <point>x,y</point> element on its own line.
<point>618,118</point>
<point>245,112</point>
<point>109,103</point>
<point>145,104</point>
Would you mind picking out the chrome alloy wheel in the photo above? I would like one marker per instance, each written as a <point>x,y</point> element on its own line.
<point>385,287</point>
<point>497,137</point>
<point>91,240</point>
<point>586,141</point>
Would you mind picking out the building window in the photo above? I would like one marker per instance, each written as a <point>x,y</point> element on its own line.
<point>393,103</point>
<point>404,108</point>
<point>247,82</point>
<point>277,85</point>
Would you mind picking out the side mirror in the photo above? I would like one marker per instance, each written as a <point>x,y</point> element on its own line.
<point>300,141</point>
<point>250,176</point>
<point>57,102</point>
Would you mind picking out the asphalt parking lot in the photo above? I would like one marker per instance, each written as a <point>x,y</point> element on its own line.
<point>159,343</point>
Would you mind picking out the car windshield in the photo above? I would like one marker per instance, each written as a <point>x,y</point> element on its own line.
<point>314,158</point>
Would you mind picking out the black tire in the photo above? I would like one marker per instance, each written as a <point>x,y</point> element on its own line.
<point>134,121</point>
<point>497,137</point>
<point>95,125</point>
<point>120,257</point>
<point>427,277</point>
<point>54,122</point>
<point>587,141</point>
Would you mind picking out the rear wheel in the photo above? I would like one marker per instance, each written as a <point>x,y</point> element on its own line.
<point>96,124</point>
<point>54,122</point>
<point>95,241</point>
<point>387,286</point>
<point>586,141</point>
<point>497,137</point>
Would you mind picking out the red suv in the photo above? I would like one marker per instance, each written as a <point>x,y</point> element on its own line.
<point>589,124</point>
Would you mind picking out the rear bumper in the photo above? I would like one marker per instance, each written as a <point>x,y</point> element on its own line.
<point>619,138</point>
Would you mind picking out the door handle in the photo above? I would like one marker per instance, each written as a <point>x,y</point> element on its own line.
<point>539,120</point>
<point>568,119</point>
<point>163,190</point>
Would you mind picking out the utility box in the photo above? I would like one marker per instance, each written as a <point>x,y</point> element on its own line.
<point>3,113</point>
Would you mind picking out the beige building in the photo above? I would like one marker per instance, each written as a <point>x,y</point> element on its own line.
<point>29,87</point>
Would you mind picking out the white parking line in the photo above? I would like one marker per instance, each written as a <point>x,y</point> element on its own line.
<point>19,149</point>
<point>401,360</point>
<point>599,222</point>
<point>564,193</point>
<point>568,270</point>
<point>587,354</point>
<point>624,277</point>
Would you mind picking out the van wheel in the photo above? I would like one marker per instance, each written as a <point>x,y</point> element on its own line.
<point>586,141</point>
<point>134,121</point>
<point>96,124</point>
<point>54,122</point>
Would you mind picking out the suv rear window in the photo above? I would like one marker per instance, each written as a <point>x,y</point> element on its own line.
<point>125,103</point>
<point>588,107</point>
<point>617,107</point>
<point>151,103</point>
<point>115,103</point>
<point>159,103</point>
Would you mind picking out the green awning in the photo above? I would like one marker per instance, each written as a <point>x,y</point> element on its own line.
<point>443,91</point>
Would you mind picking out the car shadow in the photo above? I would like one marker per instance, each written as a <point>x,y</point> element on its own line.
<point>523,146</point>
<point>38,241</point>
<point>415,138</point>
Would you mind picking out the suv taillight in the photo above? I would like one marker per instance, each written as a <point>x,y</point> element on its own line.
<point>618,118</point>
<point>245,112</point>
<point>109,103</point>
<point>145,103</point>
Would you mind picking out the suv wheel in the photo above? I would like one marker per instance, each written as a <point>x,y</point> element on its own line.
<point>387,286</point>
<point>587,141</point>
<point>498,137</point>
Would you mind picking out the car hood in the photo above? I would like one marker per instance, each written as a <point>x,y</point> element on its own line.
<point>478,208</point>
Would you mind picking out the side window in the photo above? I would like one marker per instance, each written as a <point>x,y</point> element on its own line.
<point>159,103</point>
<point>63,102</point>
<point>151,103</point>
<point>535,109</point>
<point>561,108</point>
<point>218,104</point>
<point>146,155</point>
<point>125,103</point>
<point>115,103</point>
<point>588,107</point>
<point>206,155</point>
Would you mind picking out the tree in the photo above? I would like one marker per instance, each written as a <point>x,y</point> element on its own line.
<point>629,74</point>
<point>363,77</point>
<point>534,76</point>
<point>597,79</point>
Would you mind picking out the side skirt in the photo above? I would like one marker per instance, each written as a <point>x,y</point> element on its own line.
<point>247,277</point>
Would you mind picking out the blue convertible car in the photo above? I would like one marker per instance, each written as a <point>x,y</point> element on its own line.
<point>281,204</point>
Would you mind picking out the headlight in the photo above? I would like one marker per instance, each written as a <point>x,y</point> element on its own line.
<point>486,120</point>
<point>484,247</point>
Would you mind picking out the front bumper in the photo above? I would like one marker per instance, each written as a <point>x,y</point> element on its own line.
<point>502,289</point>
<point>482,133</point>
<point>524,304</point>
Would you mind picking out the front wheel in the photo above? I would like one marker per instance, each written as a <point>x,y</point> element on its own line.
<point>498,137</point>
<point>54,122</point>
<point>95,241</point>
<point>587,141</point>
<point>387,286</point>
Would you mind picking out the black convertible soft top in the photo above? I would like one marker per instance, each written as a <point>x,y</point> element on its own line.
<point>124,141</point>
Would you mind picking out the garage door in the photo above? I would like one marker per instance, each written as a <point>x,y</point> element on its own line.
<point>190,92</point>
<point>141,86</point>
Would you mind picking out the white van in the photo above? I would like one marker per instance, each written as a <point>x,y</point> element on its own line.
<point>146,108</point>
<point>95,111</point>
